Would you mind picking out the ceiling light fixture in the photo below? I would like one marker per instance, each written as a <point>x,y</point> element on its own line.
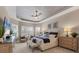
<point>36,14</point>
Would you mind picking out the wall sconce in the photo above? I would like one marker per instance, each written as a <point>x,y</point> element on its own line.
<point>67,30</point>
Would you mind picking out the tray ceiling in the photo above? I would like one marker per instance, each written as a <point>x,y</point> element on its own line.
<point>25,12</point>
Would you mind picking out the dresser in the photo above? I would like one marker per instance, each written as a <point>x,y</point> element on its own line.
<point>68,42</point>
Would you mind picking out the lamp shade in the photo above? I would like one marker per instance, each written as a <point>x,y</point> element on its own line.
<point>67,30</point>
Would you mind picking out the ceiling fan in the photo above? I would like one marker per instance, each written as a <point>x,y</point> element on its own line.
<point>36,14</point>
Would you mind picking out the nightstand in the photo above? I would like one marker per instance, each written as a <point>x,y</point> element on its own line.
<point>6,47</point>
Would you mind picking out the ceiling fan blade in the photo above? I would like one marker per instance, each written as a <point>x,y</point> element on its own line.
<point>39,14</point>
<point>34,15</point>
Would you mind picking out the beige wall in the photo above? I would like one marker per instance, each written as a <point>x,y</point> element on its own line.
<point>3,12</point>
<point>11,10</point>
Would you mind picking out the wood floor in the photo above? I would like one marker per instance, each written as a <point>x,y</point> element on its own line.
<point>23,48</point>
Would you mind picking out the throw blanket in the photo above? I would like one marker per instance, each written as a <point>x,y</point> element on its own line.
<point>45,39</point>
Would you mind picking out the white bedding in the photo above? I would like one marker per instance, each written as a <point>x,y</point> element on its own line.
<point>53,43</point>
<point>43,46</point>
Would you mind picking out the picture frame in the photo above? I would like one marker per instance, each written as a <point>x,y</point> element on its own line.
<point>55,25</point>
<point>49,26</point>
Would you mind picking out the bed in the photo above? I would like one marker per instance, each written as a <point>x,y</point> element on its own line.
<point>45,42</point>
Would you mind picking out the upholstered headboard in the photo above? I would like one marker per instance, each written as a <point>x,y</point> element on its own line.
<point>53,33</point>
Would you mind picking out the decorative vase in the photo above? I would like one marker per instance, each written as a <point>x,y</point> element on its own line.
<point>74,34</point>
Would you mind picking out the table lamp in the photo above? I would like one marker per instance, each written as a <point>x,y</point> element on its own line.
<point>67,30</point>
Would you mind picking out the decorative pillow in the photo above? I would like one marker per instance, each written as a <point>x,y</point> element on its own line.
<point>34,40</point>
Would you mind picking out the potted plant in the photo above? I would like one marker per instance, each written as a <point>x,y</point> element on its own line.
<point>1,33</point>
<point>1,30</point>
<point>74,34</point>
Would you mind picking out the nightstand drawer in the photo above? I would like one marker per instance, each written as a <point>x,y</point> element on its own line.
<point>5,48</point>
